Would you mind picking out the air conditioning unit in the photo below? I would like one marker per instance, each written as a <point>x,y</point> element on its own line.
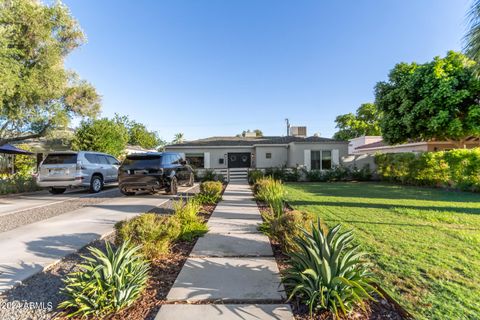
<point>298,131</point>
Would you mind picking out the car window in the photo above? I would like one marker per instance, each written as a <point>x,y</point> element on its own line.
<point>142,161</point>
<point>167,159</point>
<point>102,159</point>
<point>61,158</point>
<point>177,159</point>
<point>112,160</point>
<point>91,157</point>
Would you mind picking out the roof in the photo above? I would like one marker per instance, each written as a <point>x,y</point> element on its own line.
<point>251,141</point>
<point>8,148</point>
<point>377,144</point>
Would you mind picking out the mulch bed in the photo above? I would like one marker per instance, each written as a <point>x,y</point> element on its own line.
<point>383,308</point>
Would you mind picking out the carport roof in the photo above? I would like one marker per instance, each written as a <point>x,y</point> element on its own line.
<point>252,141</point>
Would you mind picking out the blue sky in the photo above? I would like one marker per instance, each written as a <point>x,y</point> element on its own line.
<point>217,67</point>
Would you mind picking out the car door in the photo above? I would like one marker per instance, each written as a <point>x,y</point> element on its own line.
<point>104,167</point>
<point>113,168</point>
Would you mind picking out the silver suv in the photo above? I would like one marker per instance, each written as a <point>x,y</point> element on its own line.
<point>62,170</point>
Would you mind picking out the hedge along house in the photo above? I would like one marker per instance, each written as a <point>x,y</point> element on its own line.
<point>237,153</point>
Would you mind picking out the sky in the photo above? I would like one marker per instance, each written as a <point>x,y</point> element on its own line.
<point>218,67</point>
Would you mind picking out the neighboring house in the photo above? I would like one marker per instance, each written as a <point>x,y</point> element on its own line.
<point>383,147</point>
<point>360,141</point>
<point>263,152</point>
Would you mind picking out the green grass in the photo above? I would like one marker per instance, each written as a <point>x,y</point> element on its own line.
<point>424,243</point>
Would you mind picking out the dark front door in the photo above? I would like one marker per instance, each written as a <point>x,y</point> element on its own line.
<point>239,160</point>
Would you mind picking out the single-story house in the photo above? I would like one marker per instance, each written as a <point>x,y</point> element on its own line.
<point>263,152</point>
<point>422,146</point>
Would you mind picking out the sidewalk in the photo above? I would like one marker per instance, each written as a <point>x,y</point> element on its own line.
<point>231,272</point>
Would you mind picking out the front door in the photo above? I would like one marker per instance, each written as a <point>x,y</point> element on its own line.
<point>239,160</point>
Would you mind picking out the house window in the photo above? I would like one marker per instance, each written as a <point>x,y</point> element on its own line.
<point>315,160</point>
<point>321,160</point>
<point>326,159</point>
<point>268,155</point>
<point>196,160</point>
<point>221,161</point>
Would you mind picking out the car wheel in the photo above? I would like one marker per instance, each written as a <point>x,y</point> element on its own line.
<point>57,190</point>
<point>96,184</point>
<point>191,180</point>
<point>173,188</point>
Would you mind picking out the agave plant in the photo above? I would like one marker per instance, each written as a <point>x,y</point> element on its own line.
<point>107,282</point>
<point>326,271</point>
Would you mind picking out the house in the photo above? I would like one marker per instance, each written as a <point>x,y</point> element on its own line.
<point>263,152</point>
<point>423,146</point>
<point>360,141</point>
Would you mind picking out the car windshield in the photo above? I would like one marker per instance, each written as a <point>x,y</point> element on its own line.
<point>142,161</point>
<point>61,158</point>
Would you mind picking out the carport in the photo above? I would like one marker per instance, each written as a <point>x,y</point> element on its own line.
<point>7,154</point>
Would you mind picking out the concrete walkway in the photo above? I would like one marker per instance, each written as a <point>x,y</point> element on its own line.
<point>231,272</point>
<point>34,247</point>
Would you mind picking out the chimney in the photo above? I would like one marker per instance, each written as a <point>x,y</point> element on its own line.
<point>298,131</point>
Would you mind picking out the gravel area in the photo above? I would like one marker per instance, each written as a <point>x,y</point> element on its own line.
<point>18,219</point>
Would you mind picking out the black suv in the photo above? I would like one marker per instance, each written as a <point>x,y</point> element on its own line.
<point>154,171</point>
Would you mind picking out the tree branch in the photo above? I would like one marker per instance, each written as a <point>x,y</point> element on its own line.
<point>26,137</point>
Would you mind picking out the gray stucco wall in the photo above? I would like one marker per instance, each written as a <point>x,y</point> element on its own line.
<point>279,156</point>
<point>296,152</point>
<point>215,154</point>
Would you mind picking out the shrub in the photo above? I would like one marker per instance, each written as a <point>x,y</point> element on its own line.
<point>316,176</point>
<point>254,176</point>
<point>211,188</point>
<point>292,175</point>
<point>206,199</point>
<point>326,273</point>
<point>17,183</point>
<point>459,168</point>
<point>272,192</point>
<point>153,232</point>
<point>284,228</point>
<point>275,173</point>
<point>191,225</point>
<point>210,175</point>
<point>364,174</point>
<point>107,282</point>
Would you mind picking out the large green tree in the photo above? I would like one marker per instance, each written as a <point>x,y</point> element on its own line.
<point>366,121</point>
<point>438,100</point>
<point>37,93</point>
<point>103,135</point>
<point>139,135</point>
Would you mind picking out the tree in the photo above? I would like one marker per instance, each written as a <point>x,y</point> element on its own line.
<point>138,134</point>
<point>472,37</point>
<point>258,133</point>
<point>103,135</point>
<point>36,92</point>
<point>366,121</point>
<point>178,138</point>
<point>437,100</point>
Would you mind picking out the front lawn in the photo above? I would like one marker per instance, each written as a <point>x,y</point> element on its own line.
<point>424,243</point>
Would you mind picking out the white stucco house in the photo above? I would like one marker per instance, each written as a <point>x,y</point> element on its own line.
<point>263,152</point>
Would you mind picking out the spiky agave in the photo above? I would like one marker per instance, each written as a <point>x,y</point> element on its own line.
<point>107,281</point>
<point>326,271</point>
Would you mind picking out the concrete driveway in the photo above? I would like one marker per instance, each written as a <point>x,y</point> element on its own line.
<point>31,248</point>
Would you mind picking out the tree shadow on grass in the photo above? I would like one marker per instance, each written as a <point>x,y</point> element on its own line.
<point>463,210</point>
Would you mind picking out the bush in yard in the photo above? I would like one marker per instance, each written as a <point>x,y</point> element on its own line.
<point>326,272</point>
<point>255,175</point>
<point>186,214</point>
<point>364,174</point>
<point>107,282</point>
<point>284,228</point>
<point>17,183</point>
<point>273,193</point>
<point>153,232</point>
<point>212,189</point>
<point>458,168</point>
<point>210,175</point>
<point>275,173</point>
<point>315,176</point>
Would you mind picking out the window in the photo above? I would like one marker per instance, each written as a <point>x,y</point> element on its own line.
<point>221,161</point>
<point>102,159</point>
<point>195,160</point>
<point>326,159</point>
<point>268,155</point>
<point>145,161</point>
<point>315,160</point>
<point>92,158</point>
<point>61,158</point>
<point>112,160</point>
<point>321,160</point>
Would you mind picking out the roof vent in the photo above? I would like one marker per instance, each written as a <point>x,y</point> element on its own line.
<point>298,131</point>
